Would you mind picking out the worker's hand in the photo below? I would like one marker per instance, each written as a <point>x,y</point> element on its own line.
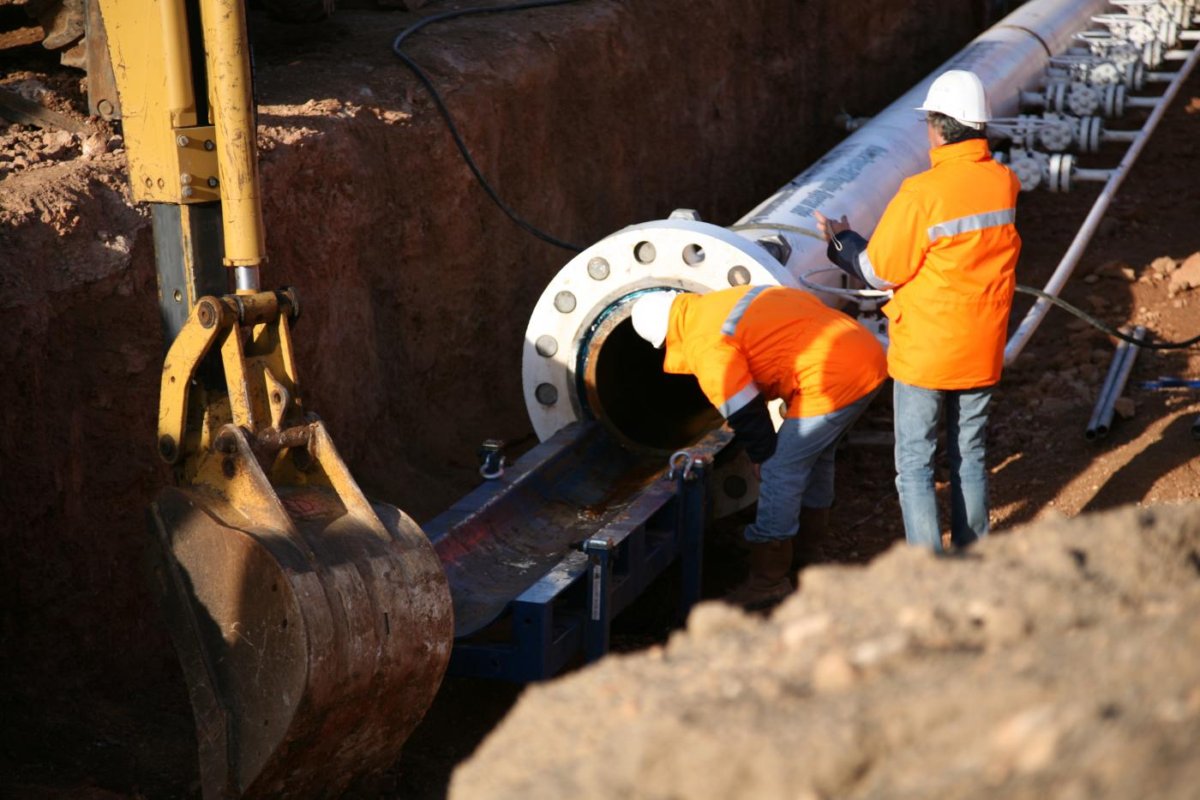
<point>829,227</point>
<point>757,471</point>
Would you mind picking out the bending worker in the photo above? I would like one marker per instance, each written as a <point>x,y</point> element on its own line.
<point>749,345</point>
<point>947,247</point>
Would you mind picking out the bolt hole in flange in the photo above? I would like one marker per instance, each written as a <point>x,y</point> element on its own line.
<point>645,252</point>
<point>628,391</point>
<point>693,255</point>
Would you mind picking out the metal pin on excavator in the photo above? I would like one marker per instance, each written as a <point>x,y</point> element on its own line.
<point>313,625</point>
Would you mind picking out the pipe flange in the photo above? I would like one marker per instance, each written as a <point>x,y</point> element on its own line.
<point>1152,54</point>
<point>1091,134</point>
<point>1082,100</point>
<point>1104,73</point>
<point>677,253</point>
<point>1055,133</point>
<point>1114,101</point>
<point>1135,76</point>
<point>1056,96</point>
<point>1027,168</point>
<point>1061,166</point>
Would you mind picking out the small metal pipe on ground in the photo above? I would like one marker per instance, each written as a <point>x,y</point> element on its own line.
<point>1114,383</point>
<point>1104,399</point>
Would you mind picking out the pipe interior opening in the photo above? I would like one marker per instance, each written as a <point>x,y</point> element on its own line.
<point>629,393</point>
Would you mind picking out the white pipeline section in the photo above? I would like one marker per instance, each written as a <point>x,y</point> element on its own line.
<point>582,310</point>
<point>859,176</point>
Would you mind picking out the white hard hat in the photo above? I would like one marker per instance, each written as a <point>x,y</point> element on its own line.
<point>959,94</point>
<point>651,314</point>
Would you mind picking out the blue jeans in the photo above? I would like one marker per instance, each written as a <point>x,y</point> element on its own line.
<point>916,418</point>
<point>800,473</point>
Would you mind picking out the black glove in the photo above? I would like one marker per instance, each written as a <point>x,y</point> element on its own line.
<point>843,251</point>
<point>752,426</point>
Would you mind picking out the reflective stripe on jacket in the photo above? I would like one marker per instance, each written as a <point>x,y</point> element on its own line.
<point>948,244</point>
<point>775,341</point>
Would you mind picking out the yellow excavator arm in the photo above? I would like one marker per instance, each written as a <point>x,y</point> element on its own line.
<point>313,625</point>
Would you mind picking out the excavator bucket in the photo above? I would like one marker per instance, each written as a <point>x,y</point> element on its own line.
<point>313,627</point>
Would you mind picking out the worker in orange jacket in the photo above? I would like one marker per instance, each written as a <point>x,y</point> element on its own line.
<point>947,247</point>
<point>747,346</point>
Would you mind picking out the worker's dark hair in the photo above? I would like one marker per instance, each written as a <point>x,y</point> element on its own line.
<point>952,130</point>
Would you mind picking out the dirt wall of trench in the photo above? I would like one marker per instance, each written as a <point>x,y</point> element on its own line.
<point>416,289</point>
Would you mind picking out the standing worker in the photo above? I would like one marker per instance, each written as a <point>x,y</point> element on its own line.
<point>947,246</point>
<point>748,345</point>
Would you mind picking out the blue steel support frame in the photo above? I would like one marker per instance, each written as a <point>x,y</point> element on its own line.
<point>690,488</point>
<point>566,616</point>
<point>599,590</point>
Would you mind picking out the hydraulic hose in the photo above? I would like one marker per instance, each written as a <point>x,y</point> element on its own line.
<point>1111,331</point>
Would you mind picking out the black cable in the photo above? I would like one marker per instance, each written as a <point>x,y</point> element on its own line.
<point>1088,318</point>
<point>441,106</point>
<point>398,42</point>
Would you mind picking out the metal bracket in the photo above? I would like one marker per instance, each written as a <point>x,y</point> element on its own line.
<point>690,519</point>
<point>491,459</point>
<point>599,551</point>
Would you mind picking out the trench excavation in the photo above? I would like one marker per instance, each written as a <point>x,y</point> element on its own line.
<point>369,333</point>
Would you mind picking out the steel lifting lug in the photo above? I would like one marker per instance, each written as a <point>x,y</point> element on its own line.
<point>491,459</point>
<point>683,465</point>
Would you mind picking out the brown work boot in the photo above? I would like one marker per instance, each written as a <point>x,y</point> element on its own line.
<point>810,541</point>
<point>769,580</point>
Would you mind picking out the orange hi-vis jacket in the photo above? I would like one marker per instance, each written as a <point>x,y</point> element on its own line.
<point>774,341</point>
<point>947,244</point>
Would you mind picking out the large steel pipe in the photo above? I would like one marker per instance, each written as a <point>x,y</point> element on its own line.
<point>563,372</point>
<point>583,361</point>
<point>860,175</point>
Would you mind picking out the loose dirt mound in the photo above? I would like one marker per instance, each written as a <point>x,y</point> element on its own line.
<point>417,290</point>
<point>1057,661</point>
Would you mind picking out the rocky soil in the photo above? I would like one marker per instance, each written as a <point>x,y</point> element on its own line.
<point>1057,661</point>
<point>412,283</point>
